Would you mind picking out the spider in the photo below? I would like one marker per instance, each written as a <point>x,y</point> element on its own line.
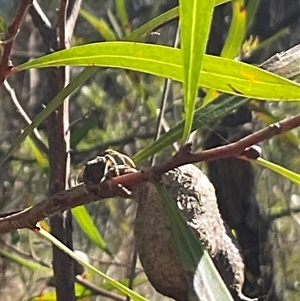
<point>104,167</point>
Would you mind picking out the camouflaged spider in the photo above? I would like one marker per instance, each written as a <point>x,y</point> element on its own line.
<point>105,167</point>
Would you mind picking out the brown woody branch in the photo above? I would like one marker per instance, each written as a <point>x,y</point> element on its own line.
<point>83,194</point>
<point>9,37</point>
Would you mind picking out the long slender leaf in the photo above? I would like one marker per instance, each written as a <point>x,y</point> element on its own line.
<point>236,31</point>
<point>286,62</point>
<point>69,252</point>
<point>29,264</point>
<point>194,258</point>
<point>251,9</point>
<point>100,25</point>
<point>87,225</point>
<point>217,73</point>
<point>203,116</point>
<point>122,15</point>
<point>292,176</point>
<point>158,21</point>
<point>40,157</point>
<point>234,39</point>
<point>195,22</point>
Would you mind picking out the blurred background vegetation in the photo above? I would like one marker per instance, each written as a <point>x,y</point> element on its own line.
<point>118,109</point>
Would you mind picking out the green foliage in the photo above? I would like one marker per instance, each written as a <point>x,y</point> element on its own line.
<point>195,21</point>
<point>217,73</point>
<point>3,29</point>
<point>203,116</point>
<point>192,254</point>
<point>138,69</point>
<point>87,225</point>
<point>73,255</point>
<point>292,176</point>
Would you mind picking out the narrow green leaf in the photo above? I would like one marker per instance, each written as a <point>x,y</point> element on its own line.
<point>195,22</point>
<point>100,25</point>
<point>69,252</point>
<point>236,33</point>
<point>158,21</point>
<point>29,264</point>
<point>122,15</point>
<point>234,39</point>
<point>219,2</point>
<point>186,243</point>
<point>217,73</point>
<point>250,80</point>
<point>194,258</point>
<point>40,157</point>
<point>3,28</point>
<point>152,24</point>
<point>138,280</point>
<point>54,103</point>
<point>292,176</point>
<point>115,24</point>
<point>78,81</point>
<point>202,117</point>
<point>251,9</point>
<point>82,131</point>
<point>88,226</point>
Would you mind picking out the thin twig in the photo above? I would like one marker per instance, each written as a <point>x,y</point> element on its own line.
<point>165,95</point>
<point>43,25</point>
<point>72,14</point>
<point>35,134</point>
<point>24,254</point>
<point>9,37</point>
<point>235,149</point>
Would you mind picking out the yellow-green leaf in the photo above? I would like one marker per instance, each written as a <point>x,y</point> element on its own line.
<point>195,22</point>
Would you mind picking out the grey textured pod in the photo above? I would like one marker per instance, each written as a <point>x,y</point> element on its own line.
<point>196,199</point>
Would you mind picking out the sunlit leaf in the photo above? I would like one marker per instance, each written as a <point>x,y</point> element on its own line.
<point>234,39</point>
<point>137,281</point>
<point>292,176</point>
<point>81,293</point>
<point>217,73</point>
<point>40,157</point>
<point>195,21</point>
<point>236,33</point>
